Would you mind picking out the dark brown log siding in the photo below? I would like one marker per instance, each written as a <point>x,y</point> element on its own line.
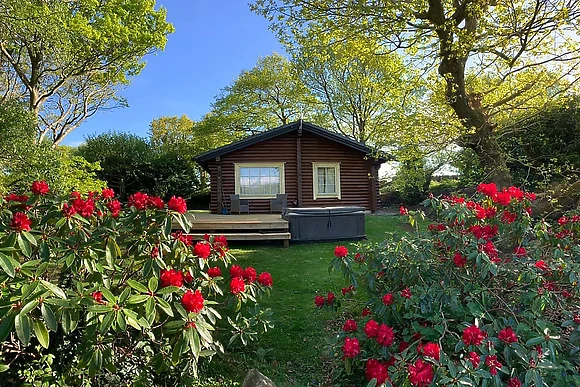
<point>355,171</point>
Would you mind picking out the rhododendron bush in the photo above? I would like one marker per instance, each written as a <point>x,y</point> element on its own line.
<point>486,295</point>
<point>91,286</point>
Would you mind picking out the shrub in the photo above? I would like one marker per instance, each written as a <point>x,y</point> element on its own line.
<point>485,296</point>
<point>110,291</point>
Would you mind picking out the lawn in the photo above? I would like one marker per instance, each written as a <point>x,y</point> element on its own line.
<point>293,353</point>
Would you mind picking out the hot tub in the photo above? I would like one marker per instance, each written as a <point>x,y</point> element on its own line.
<point>326,223</point>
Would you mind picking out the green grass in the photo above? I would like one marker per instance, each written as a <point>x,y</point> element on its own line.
<point>295,347</point>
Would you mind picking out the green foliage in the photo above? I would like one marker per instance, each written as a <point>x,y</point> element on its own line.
<point>470,172</point>
<point>486,267</point>
<point>409,182</point>
<point>111,294</point>
<point>67,59</point>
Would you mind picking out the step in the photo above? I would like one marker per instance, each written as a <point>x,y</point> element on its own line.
<point>249,236</point>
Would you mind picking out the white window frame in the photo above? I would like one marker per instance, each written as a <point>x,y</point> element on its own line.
<point>238,166</point>
<point>318,195</point>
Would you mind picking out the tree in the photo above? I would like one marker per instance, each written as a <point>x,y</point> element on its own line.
<point>269,95</point>
<point>495,58</point>
<point>67,59</point>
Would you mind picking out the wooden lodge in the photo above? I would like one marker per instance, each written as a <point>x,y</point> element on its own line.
<point>294,165</point>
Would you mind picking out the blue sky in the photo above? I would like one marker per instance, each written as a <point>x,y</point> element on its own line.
<point>214,40</point>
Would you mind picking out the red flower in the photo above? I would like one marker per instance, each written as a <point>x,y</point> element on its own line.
<point>530,196</point>
<point>319,301</point>
<point>403,211</point>
<point>474,359</point>
<point>170,277</point>
<point>519,251</point>
<point>340,251</point>
<point>202,249</point>
<point>20,222</point>
<point>187,277</point>
<point>406,293</point>
<point>371,329</point>
<point>177,204</point>
<point>185,239</point>
<point>237,285</point>
<point>351,347</point>
<point>192,302</point>
<point>139,200</point>
<point>359,258</point>
<point>84,207</point>
<point>385,335</point>
<point>236,271</point>
<point>265,279</point>
<point>473,335</point>
<point>577,318</point>
<point>155,202</point>
<point>114,206</point>
<point>220,244</point>
<point>542,265</point>
<point>514,382</point>
<point>374,369</point>
<point>68,210</point>
<point>503,198</point>
<point>459,260</point>
<point>250,274</point>
<point>388,299</point>
<point>480,212</point>
<point>421,373</point>
<point>431,350</point>
<point>489,249</point>
<point>403,345</point>
<point>366,312</point>
<point>507,335</point>
<point>206,237</point>
<point>16,198</point>
<point>508,217</point>
<point>516,193</point>
<point>40,188</point>
<point>483,232</point>
<point>98,297</point>
<point>330,298</point>
<point>490,212</point>
<point>349,326</point>
<point>493,364</point>
<point>154,252</point>
<point>487,189</point>
<point>108,193</point>
<point>214,272</point>
<point>567,294</point>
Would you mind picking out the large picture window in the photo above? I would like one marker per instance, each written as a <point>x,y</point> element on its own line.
<point>257,180</point>
<point>326,179</point>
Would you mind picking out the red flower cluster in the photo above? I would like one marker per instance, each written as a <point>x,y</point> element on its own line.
<point>473,335</point>
<point>371,329</point>
<point>192,302</point>
<point>319,301</point>
<point>98,297</point>
<point>491,251</point>
<point>177,204</point>
<point>156,202</point>
<point>347,290</point>
<point>236,271</point>
<point>249,274</point>
<point>421,373</point>
<point>459,260</point>
<point>374,369</point>
<point>351,347</point>
<point>20,222</point>
<point>180,236</point>
<point>430,350</point>
<point>388,299</point>
<point>40,188</point>
<point>349,326</point>
<point>519,251</point>
<point>237,285</point>
<point>85,208</point>
<point>493,364</point>
<point>220,244</point>
<point>486,232</point>
<point>202,249</point>
<point>385,335</point>
<point>330,298</point>
<point>214,272</point>
<point>16,198</point>
<point>403,211</point>
<point>507,335</point>
<point>542,265</point>
<point>139,200</point>
<point>514,382</point>
<point>265,279</point>
<point>171,277</point>
<point>107,193</point>
<point>436,227</point>
<point>508,217</point>
<point>406,293</point>
<point>68,210</point>
<point>187,277</point>
<point>115,207</point>
<point>366,312</point>
<point>340,251</point>
<point>359,258</point>
<point>474,359</point>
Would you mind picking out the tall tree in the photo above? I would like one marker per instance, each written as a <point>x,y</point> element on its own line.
<point>495,57</point>
<point>268,95</point>
<point>67,59</point>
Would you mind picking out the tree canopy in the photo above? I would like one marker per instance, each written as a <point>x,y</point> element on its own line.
<point>495,58</point>
<point>67,59</point>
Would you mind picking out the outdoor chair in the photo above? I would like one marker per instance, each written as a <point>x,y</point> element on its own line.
<point>239,205</point>
<point>279,203</point>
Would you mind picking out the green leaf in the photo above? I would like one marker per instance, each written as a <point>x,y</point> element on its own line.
<point>96,362</point>
<point>6,326</point>
<point>534,341</point>
<point>29,306</point>
<point>164,306</point>
<point>107,322</point>
<point>153,283</point>
<point>41,333</point>
<point>150,306</point>
<point>111,251</point>
<point>49,317</point>
<point>121,322</point>
<point>167,290</point>
<point>132,319</point>
<point>124,295</point>
<point>30,238</point>
<point>4,368</point>
<point>138,286</point>
<point>108,295</point>
<point>22,325</point>
<point>54,289</point>
<point>137,299</point>
<point>99,308</point>
<point>6,265</point>
<point>24,245</point>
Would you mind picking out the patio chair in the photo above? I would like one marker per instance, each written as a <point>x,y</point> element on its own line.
<point>239,205</point>
<point>279,203</point>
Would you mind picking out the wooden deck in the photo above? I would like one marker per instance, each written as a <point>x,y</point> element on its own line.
<point>254,227</point>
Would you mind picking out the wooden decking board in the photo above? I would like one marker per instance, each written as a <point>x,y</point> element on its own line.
<point>249,236</point>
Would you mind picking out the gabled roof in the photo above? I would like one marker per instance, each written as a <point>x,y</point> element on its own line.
<point>268,134</point>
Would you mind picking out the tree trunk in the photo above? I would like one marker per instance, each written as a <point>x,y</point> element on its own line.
<point>490,156</point>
